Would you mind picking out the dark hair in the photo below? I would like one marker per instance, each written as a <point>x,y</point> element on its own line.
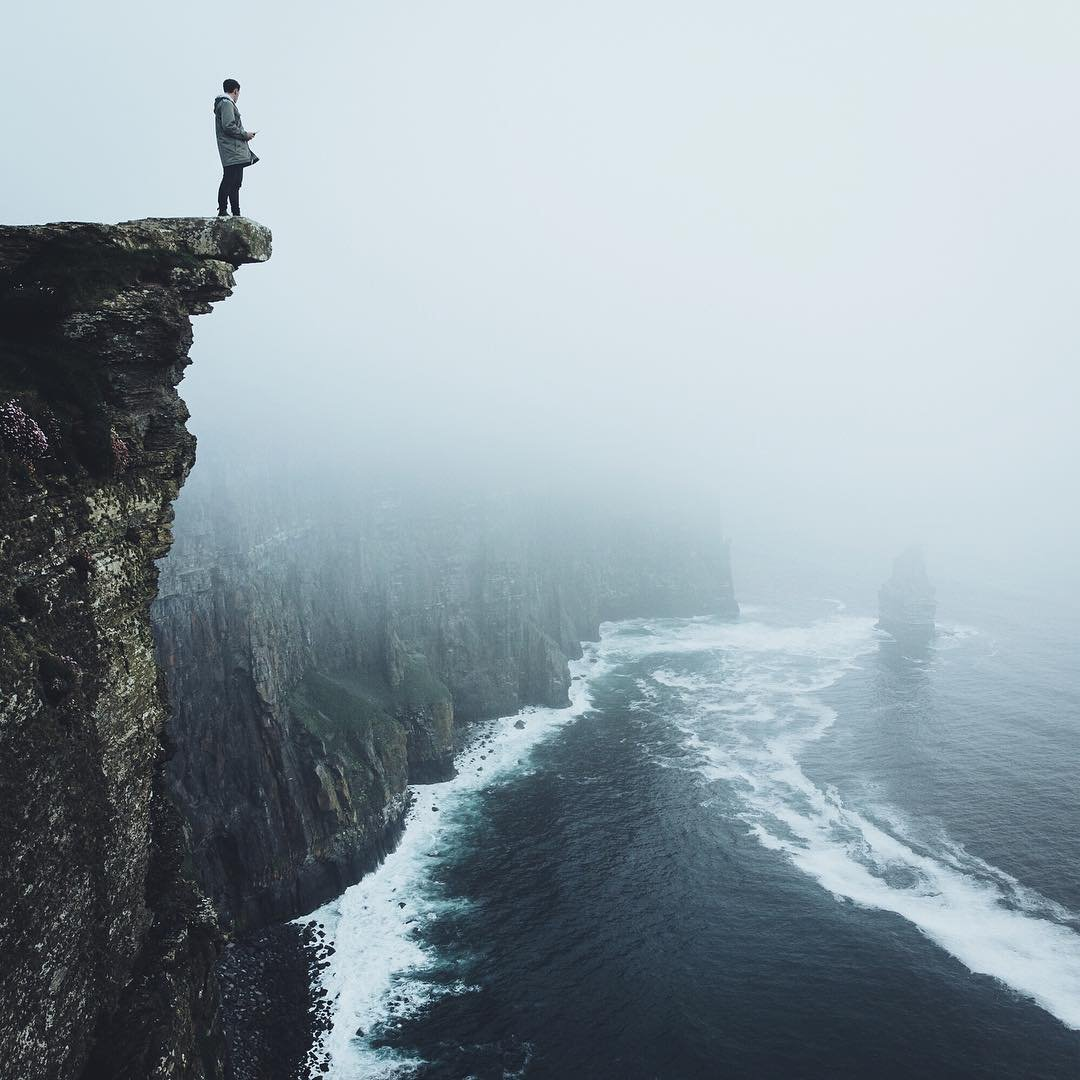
<point>229,85</point>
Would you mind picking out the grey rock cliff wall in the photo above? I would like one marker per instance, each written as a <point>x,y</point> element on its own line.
<point>321,653</point>
<point>108,949</point>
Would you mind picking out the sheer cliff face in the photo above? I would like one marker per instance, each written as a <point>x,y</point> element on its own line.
<point>317,669</point>
<point>99,932</point>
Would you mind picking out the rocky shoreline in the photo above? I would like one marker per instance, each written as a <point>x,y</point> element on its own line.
<point>272,1013</point>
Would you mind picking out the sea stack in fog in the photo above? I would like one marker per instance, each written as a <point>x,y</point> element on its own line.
<point>906,604</point>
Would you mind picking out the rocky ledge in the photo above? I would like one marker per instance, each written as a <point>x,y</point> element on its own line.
<point>108,948</point>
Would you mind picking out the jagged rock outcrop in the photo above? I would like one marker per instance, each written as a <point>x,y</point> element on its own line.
<point>906,604</point>
<point>321,649</point>
<point>108,948</point>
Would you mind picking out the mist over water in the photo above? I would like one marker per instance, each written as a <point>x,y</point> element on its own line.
<point>732,829</point>
<point>982,915</point>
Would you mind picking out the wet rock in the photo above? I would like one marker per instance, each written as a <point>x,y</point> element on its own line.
<point>274,1007</point>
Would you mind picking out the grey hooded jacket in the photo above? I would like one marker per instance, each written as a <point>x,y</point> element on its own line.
<point>231,137</point>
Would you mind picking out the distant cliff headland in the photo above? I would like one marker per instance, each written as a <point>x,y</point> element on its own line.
<point>246,754</point>
<point>321,655</point>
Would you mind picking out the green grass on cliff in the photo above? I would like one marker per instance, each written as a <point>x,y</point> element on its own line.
<point>345,708</point>
<point>420,685</point>
<point>343,718</point>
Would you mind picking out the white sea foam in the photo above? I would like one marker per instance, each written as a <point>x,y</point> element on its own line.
<point>747,727</point>
<point>378,968</point>
<point>953,635</point>
<point>747,710</point>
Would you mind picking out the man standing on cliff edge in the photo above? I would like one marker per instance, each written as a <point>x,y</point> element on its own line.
<point>232,144</point>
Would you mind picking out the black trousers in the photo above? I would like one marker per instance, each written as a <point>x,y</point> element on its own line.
<point>229,188</point>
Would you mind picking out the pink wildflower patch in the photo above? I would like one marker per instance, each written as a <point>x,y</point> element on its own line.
<point>21,434</point>
<point>121,453</point>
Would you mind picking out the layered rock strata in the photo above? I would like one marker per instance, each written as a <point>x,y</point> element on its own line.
<point>108,948</point>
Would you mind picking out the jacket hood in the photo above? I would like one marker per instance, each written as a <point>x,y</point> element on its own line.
<point>220,98</point>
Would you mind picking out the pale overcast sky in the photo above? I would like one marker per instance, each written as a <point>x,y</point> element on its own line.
<point>814,262</point>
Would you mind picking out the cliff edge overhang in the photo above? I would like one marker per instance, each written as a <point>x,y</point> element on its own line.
<point>73,261</point>
<point>108,947</point>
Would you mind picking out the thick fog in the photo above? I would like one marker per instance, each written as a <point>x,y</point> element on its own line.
<point>811,267</point>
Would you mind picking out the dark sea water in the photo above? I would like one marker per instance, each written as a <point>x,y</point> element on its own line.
<point>770,848</point>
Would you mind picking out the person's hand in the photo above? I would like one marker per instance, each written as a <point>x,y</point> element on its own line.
<point>251,135</point>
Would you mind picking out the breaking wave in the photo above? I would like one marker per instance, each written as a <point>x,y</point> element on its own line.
<point>382,970</point>
<point>747,701</point>
<point>748,715</point>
